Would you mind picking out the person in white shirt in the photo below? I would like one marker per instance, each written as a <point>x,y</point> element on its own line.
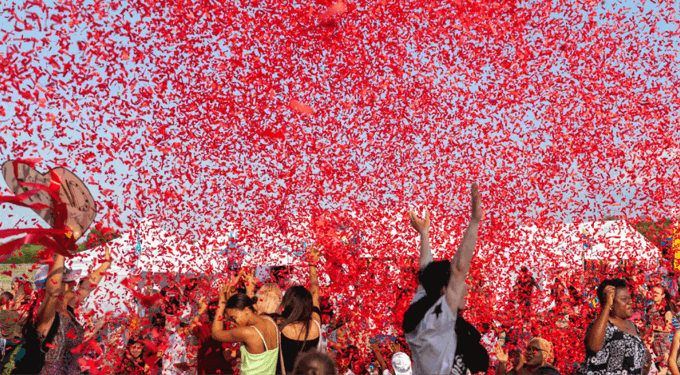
<point>174,358</point>
<point>429,323</point>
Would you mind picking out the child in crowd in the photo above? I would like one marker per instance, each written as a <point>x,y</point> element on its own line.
<point>132,362</point>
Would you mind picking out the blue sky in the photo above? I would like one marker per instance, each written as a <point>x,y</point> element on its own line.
<point>417,161</point>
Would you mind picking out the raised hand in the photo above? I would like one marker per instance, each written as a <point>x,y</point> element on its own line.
<point>107,254</point>
<point>314,254</point>
<point>609,292</point>
<point>202,306</point>
<point>422,226</point>
<point>501,355</point>
<point>226,291</point>
<point>476,203</point>
<point>249,278</point>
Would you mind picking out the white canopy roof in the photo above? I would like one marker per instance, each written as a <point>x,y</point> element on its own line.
<point>559,246</point>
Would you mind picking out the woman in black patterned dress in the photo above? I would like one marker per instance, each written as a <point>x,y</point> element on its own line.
<point>613,345</point>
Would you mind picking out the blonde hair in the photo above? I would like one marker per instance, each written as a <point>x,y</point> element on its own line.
<point>268,299</point>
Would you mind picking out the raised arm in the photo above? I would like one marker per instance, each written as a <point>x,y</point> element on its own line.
<point>673,356</point>
<point>218,332</point>
<point>53,288</point>
<point>502,357</point>
<point>249,278</point>
<point>422,226</point>
<point>595,335</point>
<point>93,279</point>
<point>95,330</point>
<point>202,308</point>
<point>378,355</point>
<point>313,278</point>
<point>460,264</point>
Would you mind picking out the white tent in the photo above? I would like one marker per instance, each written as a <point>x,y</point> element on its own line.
<point>617,239</point>
<point>160,253</point>
<point>563,246</point>
<point>110,294</point>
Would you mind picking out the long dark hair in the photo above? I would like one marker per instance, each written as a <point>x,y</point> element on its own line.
<point>297,307</point>
<point>668,300</point>
<point>241,301</point>
<point>432,278</point>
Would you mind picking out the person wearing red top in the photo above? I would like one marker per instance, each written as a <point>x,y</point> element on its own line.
<point>213,357</point>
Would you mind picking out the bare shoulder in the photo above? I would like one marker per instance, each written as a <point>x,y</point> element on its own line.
<point>296,331</point>
<point>292,329</point>
<point>676,337</point>
<point>250,336</point>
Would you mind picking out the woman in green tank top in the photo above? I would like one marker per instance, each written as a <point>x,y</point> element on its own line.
<point>258,335</point>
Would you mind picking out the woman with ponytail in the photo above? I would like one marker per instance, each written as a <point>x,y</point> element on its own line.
<point>440,340</point>
<point>258,334</point>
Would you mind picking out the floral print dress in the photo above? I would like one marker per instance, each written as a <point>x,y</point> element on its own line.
<point>62,357</point>
<point>621,354</point>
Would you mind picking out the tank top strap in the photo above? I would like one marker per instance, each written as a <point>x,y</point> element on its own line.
<point>318,346</point>
<point>318,325</point>
<point>262,337</point>
<point>278,336</point>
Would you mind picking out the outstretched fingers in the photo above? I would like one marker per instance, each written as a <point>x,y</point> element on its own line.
<point>476,203</point>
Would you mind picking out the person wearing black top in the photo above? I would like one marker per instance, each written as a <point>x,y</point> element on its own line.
<point>300,319</point>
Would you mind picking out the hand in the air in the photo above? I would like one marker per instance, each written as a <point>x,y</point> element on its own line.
<point>422,226</point>
<point>314,254</point>
<point>501,355</point>
<point>476,203</point>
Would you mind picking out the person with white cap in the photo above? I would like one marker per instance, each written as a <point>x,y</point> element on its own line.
<point>401,364</point>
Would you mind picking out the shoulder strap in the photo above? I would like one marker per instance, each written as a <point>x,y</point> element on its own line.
<point>318,346</point>
<point>262,337</point>
<point>278,344</point>
<point>317,324</point>
<point>283,365</point>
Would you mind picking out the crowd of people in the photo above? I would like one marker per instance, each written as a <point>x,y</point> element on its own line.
<point>248,327</point>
